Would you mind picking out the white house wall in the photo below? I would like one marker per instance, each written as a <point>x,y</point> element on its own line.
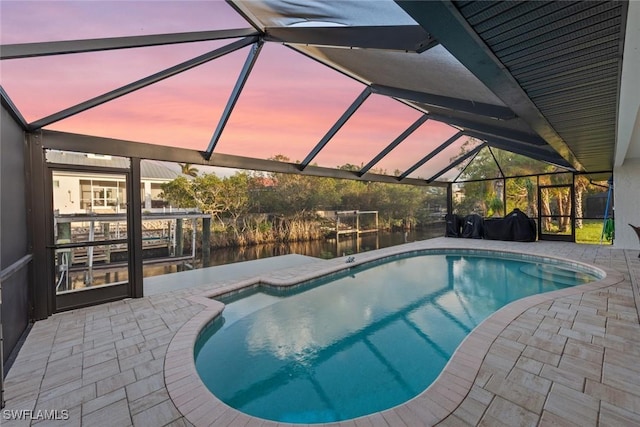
<point>66,193</point>
<point>627,203</point>
<point>627,145</point>
<point>66,190</point>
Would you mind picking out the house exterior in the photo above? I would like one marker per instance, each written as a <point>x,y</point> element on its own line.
<point>87,192</point>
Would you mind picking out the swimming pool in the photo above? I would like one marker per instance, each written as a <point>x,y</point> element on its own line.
<point>360,341</point>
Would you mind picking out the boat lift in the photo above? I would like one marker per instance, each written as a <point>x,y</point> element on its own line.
<point>78,248</point>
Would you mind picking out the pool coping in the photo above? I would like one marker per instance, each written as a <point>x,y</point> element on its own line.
<point>439,400</point>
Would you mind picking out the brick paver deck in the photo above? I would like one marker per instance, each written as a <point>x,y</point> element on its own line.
<point>572,359</point>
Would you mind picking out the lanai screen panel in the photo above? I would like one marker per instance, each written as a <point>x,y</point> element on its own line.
<point>180,111</point>
<point>40,21</point>
<point>444,158</point>
<point>420,143</point>
<point>513,164</point>
<point>378,122</point>
<point>483,166</point>
<point>452,174</point>
<point>42,86</point>
<point>434,71</point>
<point>287,105</point>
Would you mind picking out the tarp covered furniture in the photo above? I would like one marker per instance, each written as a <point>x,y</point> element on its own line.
<point>454,225</point>
<point>516,227</point>
<point>473,227</point>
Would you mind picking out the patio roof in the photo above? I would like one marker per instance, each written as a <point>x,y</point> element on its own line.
<point>540,79</point>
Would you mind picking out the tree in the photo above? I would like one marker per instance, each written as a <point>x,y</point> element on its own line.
<point>404,201</point>
<point>221,198</point>
<point>188,169</point>
<point>178,193</point>
<point>555,201</point>
<point>202,192</point>
<point>521,194</point>
<point>286,194</point>
<point>299,193</point>
<point>234,199</point>
<point>581,186</point>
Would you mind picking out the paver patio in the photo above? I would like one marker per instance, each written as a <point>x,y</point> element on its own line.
<point>569,360</point>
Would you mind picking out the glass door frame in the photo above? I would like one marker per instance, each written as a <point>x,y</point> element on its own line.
<point>99,294</point>
<point>557,237</point>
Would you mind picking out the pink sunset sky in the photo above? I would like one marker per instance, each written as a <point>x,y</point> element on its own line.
<point>287,106</point>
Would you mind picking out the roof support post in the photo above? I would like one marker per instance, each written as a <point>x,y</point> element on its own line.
<point>139,84</point>
<point>336,127</point>
<point>394,144</point>
<point>41,291</point>
<point>134,216</point>
<point>235,94</point>
<point>430,156</point>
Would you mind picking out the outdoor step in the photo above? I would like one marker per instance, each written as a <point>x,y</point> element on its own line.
<point>552,273</point>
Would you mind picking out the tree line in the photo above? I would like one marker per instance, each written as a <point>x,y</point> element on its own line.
<point>259,207</point>
<point>254,207</point>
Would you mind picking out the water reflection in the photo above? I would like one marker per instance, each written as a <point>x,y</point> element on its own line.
<point>360,341</point>
<point>329,248</point>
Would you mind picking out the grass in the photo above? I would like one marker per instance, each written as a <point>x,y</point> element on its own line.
<point>590,232</point>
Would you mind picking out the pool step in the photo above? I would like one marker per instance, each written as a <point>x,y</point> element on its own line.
<point>553,274</point>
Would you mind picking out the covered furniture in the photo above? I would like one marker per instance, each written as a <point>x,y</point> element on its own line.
<point>473,227</point>
<point>454,225</point>
<point>516,227</point>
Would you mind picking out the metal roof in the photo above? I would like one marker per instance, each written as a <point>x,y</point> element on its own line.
<point>150,170</point>
<point>537,78</point>
<point>567,57</point>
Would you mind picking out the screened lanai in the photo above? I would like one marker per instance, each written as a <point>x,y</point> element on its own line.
<point>439,103</point>
<point>448,94</point>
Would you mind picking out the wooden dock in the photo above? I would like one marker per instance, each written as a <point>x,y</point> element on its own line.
<point>342,228</point>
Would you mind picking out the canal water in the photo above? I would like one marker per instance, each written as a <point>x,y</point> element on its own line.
<point>328,248</point>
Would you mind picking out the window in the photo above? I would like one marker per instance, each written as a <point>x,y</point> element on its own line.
<point>106,196</point>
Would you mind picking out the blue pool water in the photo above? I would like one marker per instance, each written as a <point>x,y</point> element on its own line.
<point>360,341</point>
